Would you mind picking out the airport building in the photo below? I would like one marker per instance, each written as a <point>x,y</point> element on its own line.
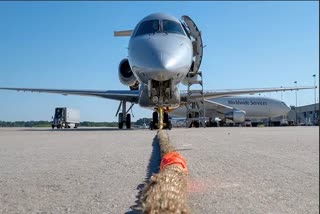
<point>304,115</point>
<point>307,115</point>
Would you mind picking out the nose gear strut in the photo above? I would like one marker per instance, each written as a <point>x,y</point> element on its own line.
<point>160,110</point>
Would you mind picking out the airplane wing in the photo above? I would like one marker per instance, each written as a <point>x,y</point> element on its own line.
<point>231,92</point>
<point>121,95</point>
<point>217,106</point>
<point>133,96</point>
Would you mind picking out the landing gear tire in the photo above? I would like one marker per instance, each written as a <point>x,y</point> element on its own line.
<point>166,121</point>
<point>155,117</point>
<point>165,117</point>
<point>52,126</point>
<point>59,126</point>
<point>196,124</point>
<point>120,121</point>
<point>128,121</point>
<point>222,123</point>
<point>151,125</point>
<point>155,120</point>
<point>169,125</point>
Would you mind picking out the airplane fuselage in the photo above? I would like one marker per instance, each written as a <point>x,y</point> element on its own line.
<point>254,107</point>
<point>160,55</point>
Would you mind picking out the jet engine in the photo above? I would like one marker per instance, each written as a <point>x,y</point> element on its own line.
<point>126,75</point>
<point>236,116</point>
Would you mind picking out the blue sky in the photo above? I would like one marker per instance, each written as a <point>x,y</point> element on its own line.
<point>70,45</point>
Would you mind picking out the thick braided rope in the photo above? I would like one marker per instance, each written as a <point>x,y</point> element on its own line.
<point>166,191</point>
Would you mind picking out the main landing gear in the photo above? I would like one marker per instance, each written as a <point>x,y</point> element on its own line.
<point>160,120</point>
<point>124,117</point>
<point>124,120</point>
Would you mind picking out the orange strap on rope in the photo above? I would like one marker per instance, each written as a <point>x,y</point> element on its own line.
<point>173,158</point>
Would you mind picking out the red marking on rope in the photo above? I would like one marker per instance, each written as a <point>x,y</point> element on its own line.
<point>173,158</point>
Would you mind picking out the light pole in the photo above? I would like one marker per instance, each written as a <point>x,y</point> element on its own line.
<point>281,94</point>
<point>315,99</point>
<point>295,82</point>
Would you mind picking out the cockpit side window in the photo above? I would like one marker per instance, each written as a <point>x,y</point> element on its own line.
<point>146,27</point>
<point>185,30</point>
<point>170,26</point>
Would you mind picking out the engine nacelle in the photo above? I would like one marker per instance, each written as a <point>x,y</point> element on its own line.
<point>237,116</point>
<point>126,75</point>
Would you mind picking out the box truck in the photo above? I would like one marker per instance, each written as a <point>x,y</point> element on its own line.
<point>66,118</point>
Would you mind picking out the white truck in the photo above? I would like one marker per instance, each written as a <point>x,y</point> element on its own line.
<point>66,118</point>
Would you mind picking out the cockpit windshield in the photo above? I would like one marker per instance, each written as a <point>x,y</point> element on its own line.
<point>154,26</point>
<point>150,26</point>
<point>170,26</point>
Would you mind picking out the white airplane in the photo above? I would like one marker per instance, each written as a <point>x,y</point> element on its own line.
<point>162,51</point>
<point>239,108</point>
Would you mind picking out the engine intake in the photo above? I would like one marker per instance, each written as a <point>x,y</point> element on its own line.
<point>236,116</point>
<point>126,75</point>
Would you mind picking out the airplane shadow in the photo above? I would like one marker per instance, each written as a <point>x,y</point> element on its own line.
<point>153,167</point>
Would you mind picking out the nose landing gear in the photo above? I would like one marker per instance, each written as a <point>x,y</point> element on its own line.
<point>160,120</point>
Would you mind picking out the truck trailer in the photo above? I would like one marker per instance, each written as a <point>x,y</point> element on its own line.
<point>66,118</point>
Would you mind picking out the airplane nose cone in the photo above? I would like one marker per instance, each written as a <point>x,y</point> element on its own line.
<point>165,61</point>
<point>162,56</point>
<point>168,56</point>
<point>285,109</point>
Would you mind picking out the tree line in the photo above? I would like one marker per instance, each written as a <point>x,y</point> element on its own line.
<point>42,123</point>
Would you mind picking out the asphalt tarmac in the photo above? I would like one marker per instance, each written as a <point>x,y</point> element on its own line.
<point>87,170</point>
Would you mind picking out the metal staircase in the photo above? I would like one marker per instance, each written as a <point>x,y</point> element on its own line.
<point>195,108</point>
